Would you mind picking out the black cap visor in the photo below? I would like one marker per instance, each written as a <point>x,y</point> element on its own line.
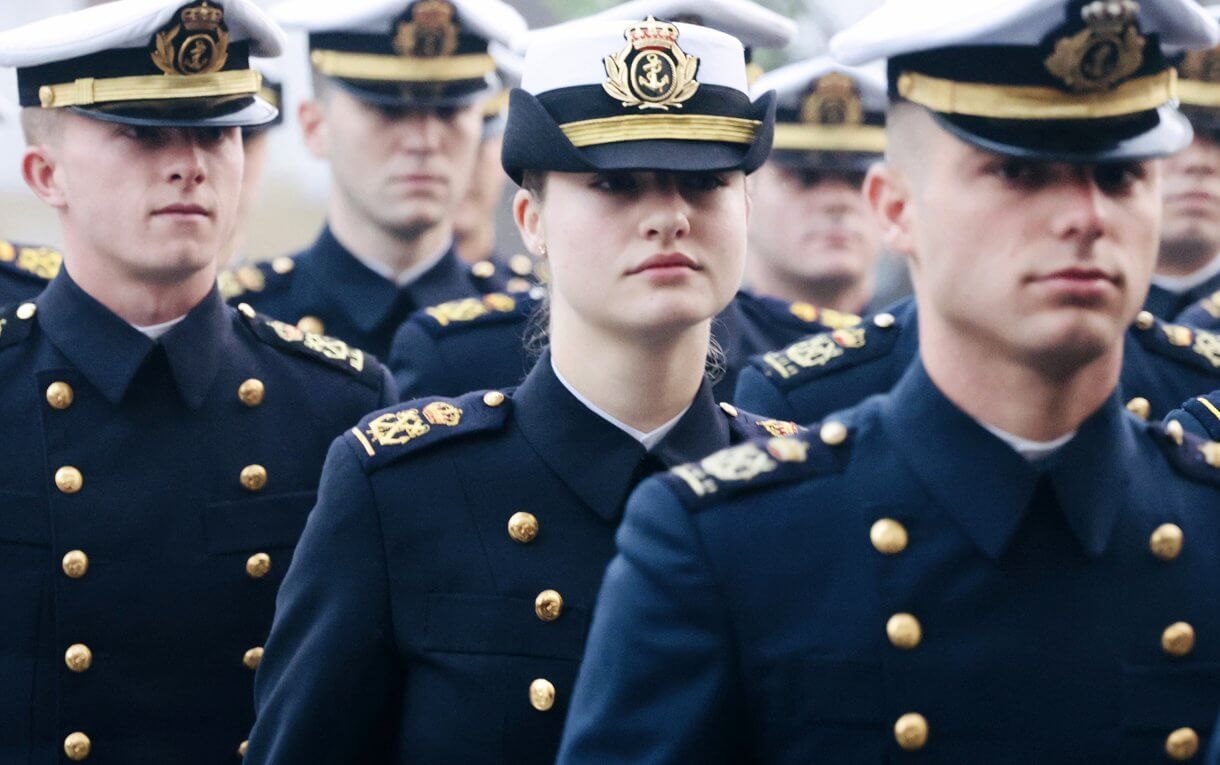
<point>831,161</point>
<point>1137,137</point>
<point>419,95</point>
<point>533,140</point>
<point>226,111</point>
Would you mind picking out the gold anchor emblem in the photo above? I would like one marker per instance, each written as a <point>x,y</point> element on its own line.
<point>834,100</point>
<point>651,71</point>
<point>429,32</point>
<point>1107,51</point>
<point>197,43</point>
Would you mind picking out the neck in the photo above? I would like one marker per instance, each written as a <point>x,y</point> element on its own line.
<point>398,251</point>
<point>1183,258</point>
<point>844,295</point>
<point>644,383</point>
<point>1038,403</point>
<point>475,244</point>
<point>141,303</point>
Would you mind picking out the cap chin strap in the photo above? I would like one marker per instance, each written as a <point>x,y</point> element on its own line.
<point>87,90</point>
<point>1034,102</point>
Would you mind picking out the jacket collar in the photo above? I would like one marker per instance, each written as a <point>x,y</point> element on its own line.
<point>367,298</point>
<point>599,462</point>
<point>987,487</point>
<point>108,351</point>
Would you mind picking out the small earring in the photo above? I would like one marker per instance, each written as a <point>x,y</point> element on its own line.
<point>542,250</point>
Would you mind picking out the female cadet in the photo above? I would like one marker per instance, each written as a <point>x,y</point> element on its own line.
<point>440,597</point>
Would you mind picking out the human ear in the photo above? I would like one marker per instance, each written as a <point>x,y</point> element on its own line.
<point>38,168</point>
<point>888,193</point>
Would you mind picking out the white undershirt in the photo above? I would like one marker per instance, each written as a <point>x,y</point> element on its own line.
<point>1032,451</point>
<point>649,440</point>
<point>404,278</point>
<point>1180,284</point>
<point>155,331</point>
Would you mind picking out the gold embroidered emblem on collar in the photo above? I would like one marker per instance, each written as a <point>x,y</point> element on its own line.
<point>833,100</point>
<point>1207,345</point>
<point>469,309</point>
<point>815,351</point>
<point>779,427</point>
<point>651,71</point>
<point>430,30</point>
<point>738,463</point>
<point>329,347</point>
<point>197,43</point>
<point>42,262</point>
<point>397,428</point>
<point>788,449</point>
<point>1107,51</point>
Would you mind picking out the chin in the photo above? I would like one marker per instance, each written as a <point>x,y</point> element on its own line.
<point>1064,346</point>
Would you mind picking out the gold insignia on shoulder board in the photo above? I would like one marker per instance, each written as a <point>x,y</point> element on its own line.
<point>815,351</point>
<point>397,428</point>
<point>1107,51</point>
<point>197,42</point>
<point>778,427</point>
<point>788,449</point>
<point>429,31</point>
<point>7,251</point>
<point>1207,345</point>
<point>738,463</point>
<point>43,262</point>
<point>1178,335</point>
<point>651,71</point>
<point>833,100</point>
<point>443,413</point>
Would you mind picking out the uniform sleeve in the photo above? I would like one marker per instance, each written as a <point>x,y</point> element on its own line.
<point>389,389</point>
<point>756,393</point>
<point>415,362</point>
<point>1198,416</point>
<point>1213,753</point>
<point>329,677</point>
<point>657,684</point>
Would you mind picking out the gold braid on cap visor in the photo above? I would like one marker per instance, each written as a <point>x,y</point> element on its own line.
<point>380,68</point>
<point>1033,102</point>
<point>160,87</point>
<point>657,127</point>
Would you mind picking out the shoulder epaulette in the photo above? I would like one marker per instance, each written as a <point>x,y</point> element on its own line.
<point>329,351</point>
<point>826,352</point>
<point>808,313</point>
<point>16,323</point>
<point>41,263</point>
<point>1197,347</point>
<point>748,425</point>
<point>758,464</point>
<point>1206,410</point>
<point>458,315</point>
<point>256,277</point>
<point>390,434</point>
<point>1205,313</point>
<point>1195,457</point>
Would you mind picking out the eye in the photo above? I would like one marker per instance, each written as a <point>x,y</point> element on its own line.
<point>1020,173</point>
<point>807,179</point>
<point>614,183</point>
<point>445,113</point>
<point>1118,177</point>
<point>702,182</point>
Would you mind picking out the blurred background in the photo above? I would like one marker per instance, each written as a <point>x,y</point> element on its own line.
<point>290,212</point>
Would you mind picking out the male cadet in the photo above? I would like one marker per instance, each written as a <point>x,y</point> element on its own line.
<point>161,450</point>
<point>24,269</point>
<point>994,562</point>
<point>482,342</point>
<point>813,240</point>
<point>397,111</point>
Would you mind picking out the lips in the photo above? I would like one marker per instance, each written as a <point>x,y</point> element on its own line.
<point>666,261</point>
<point>182,209</point>
<point>1078,275</point>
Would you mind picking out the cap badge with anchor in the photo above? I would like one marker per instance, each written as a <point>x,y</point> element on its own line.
<point>651,71</point>
<point>1107,51</point>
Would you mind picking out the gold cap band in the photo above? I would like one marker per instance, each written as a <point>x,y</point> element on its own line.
<point>270,96</point>
<point>1032,102</point>
<point>88,90</point>
<point>656,127</point>
<point>797,137</point>
<point>1198,92</point>
<point>381,68</point>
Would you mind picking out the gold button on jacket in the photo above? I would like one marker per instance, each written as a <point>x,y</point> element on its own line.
<point>75,564</point>
<point>548,605</point>
<point>258,564</point>
<point>77,746</point>
<point>542,695</point>
<point>523,527</point>
<point>60,395</point>
<point>69,480</point>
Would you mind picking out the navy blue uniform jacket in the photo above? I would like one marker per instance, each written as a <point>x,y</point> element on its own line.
<point>150,498</point>
<point>909,576</point>
<point>416,626</point>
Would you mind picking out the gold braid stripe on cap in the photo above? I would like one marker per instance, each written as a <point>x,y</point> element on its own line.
<point>158,87</point>
<point>381,68</point>
<point>797,137</point>
<point>1032,102</point>
<point>1198,93</point>
<point>654,127</point>
<point>270,96</point>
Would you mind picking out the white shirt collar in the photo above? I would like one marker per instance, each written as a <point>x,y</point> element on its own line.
<point>1032,451</point>
<point>1181,284</point>
<point>648,440</point>
<point>405,277</point>
<point>155,331</point>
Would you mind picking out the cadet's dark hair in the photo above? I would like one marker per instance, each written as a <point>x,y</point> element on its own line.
<point>534,181</point>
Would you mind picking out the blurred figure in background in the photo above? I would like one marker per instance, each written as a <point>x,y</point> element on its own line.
<point>24,269</point>
<point>813,240</point>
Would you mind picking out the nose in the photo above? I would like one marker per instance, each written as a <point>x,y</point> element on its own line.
<point>420,132</point>
<point>668,217</point>
<point>1080,215</point>
<point>189,163</point>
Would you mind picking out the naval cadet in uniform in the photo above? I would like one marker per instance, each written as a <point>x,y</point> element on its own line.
<point>438,605</point>
<point>812,237</point>
<point>995,562</point>
<point>397,108</point>
<point>160,449</point>
<point>488,341</point>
